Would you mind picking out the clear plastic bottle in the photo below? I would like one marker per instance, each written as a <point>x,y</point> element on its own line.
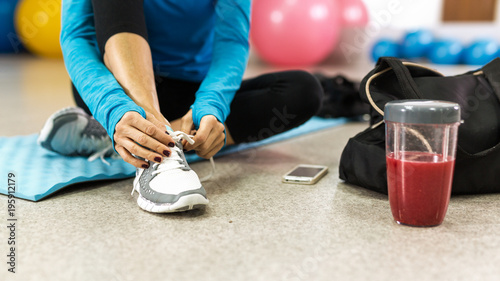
<point>421,137</point>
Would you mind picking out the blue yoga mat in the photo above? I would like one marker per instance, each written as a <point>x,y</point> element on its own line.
<point>39,173</point>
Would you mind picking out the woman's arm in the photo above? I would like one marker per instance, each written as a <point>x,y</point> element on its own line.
<point>229,59</point>
<point>101,92</point>
<point>122,38</point>
<point>128,57</point>
<point>97,86</point>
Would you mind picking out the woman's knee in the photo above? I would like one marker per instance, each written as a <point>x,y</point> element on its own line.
<point>306,93</point>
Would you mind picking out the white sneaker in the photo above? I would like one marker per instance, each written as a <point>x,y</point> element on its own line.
<point>170,186</point>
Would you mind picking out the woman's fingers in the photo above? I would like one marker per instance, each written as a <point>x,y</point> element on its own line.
<point>208,125</point>
<point>158,132</point>
<point>142,138</point>
<point>131,159</point>
<point>149,135</point>
<point>160,123</point>
<point>199,139</point>
<point>209,138</point>
<point>151,142</point>
<point>216,147</point>
<point>205,141</point>
<point>141,151</point>
<point>161,120</point>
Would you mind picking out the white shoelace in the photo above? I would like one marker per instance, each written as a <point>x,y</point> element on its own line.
<point>90,142</point>
<point>101,153</point>
<point>174,157</point>
<point>178,136</point>
<point>175,161</point>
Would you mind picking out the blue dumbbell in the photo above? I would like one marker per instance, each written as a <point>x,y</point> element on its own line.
<point>481,52</point>
<point>385,48</point>
<point>416,44</point>
<point>447,51</point>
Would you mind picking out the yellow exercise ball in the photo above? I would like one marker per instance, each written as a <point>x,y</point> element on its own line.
<point>38,24</point>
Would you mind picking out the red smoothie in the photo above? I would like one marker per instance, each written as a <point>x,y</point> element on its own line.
<point>419,186</point>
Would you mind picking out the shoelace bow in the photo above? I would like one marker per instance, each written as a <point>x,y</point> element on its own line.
<point>177,136</point>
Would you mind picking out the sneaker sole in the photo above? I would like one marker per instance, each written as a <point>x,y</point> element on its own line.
<point>49,124</point>
<point>185,203</point>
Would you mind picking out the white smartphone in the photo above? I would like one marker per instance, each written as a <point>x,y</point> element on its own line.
<point>305,174</point>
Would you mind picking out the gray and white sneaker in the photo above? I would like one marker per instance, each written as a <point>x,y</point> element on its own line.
<point>170,186</point>
<point>72,132</point>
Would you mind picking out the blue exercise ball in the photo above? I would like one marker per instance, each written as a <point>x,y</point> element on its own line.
<point>9,41</point>
<point>481,52</point>
<point>446,52</point>
<point>385,48</point>
<point>416,44</point>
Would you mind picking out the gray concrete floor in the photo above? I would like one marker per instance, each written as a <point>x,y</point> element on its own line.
<point>255,227</point>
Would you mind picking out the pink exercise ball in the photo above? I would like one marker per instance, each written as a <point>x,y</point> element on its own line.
<point>294,32</point>
<point>354,13</point>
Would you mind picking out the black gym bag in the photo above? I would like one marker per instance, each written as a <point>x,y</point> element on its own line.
<point>477,166</point>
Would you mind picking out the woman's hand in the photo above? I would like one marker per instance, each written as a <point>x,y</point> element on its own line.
<point>209,138</point>
<point>141,137</point>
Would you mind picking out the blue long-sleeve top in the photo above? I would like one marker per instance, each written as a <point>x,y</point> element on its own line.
<point>195,40</point>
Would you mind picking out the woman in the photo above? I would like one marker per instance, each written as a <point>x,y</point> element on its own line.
<point>139,68</point>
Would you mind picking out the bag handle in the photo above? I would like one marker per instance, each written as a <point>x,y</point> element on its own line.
<point>492,73</point>
<point>404,77</point>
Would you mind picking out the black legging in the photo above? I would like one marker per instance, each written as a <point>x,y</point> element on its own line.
<point>263,106</point>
